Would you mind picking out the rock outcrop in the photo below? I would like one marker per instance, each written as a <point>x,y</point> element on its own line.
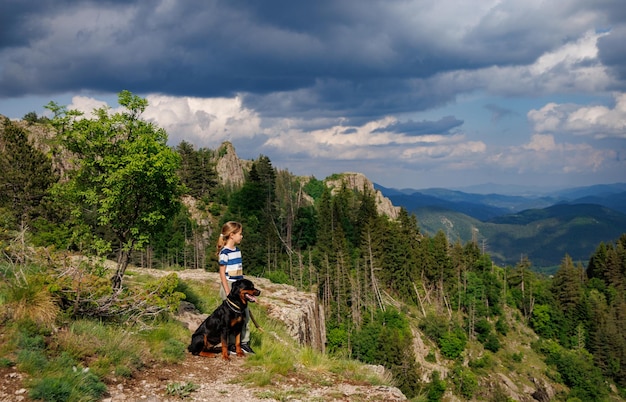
<point>230,169</point>
<point>301,312</point>
<point>358,182</point>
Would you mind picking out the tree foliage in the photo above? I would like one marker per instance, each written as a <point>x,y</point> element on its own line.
<point>27,174</point>
<point>124,185</point>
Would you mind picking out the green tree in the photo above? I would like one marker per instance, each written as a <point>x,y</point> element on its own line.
<point>197,170</point>
<point>254,206</point>
<point>27,173</point>
<point>567,286</point>
<point>386,340</point>
<point>436,388</point>
<point>124,181</point>
<point>542,321</point>
<point>520,281</point>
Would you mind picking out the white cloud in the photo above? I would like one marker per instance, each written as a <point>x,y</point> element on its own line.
<point>569,54</point>
<point>86,105</point>
<point>592,121</point>
<point>203,121</point>
<point>371,142</point>
<point>543,154</point>
<point>541,143</point>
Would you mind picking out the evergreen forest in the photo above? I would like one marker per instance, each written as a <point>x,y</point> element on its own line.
<point>110,187</point>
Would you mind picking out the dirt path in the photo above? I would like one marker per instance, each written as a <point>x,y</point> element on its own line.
<point>218,380</point>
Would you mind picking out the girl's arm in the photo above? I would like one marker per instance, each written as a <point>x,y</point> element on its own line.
<point>223,279</point>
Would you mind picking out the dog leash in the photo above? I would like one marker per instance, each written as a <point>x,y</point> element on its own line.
<point>236,309</point>
<point>256,324</point>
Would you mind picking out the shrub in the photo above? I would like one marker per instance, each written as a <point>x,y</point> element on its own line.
<point>576,369</point>
<point>278,277</point>
<point>452,344</point>
<point>26,297</point>
<point>162,293</point>
<point>483,329</point>
<point>337,339</point>
<point>436,388</point>
<point>501,326</point>
<point>465,381</point>
<point>492,343</point>
<point>431,357</point>
<point>485,361</point>
<point>434,326</point>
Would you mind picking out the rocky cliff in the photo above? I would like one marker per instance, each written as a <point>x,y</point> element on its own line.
<point>230,169</point>
<point>358,182</point>
<point>301,312</point>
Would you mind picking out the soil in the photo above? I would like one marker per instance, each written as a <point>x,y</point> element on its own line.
<point>215,379</point>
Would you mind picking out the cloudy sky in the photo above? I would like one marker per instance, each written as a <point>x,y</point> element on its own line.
<point>412,93</point>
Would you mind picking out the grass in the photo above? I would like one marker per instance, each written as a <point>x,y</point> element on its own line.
<point>70,359</point>
<point>25,296</point>
<point>180,390</point>
<point>168,340</point>
<point>281,358</point>
<point>55,375</point>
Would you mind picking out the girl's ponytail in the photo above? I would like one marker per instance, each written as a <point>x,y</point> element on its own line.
<point>228,229</point>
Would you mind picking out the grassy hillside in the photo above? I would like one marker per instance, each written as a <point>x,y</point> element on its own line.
<point>543,235</point>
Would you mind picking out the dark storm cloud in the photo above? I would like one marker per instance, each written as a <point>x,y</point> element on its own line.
<point>324,58</point>
<point>612,52</point>
<point>358,101</point>
<point>415,128</point>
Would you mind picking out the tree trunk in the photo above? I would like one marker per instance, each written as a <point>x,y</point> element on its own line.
<point>122,264</point>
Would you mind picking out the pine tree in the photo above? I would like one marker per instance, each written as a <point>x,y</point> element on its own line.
<point>27,174</point>
<point>567,287</point>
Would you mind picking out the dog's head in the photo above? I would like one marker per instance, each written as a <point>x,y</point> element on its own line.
<point>244,290</point>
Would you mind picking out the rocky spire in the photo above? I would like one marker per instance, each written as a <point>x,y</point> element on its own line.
<point>230,169</point>
<point>357,182</point>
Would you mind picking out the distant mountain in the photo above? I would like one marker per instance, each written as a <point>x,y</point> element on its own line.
<point>599,190</point>
<point>420,200</point>
<point>543,235</point>
<point>510,189</point>
<point>613,201</point>
<point>479,206</point>
<point>546,235</point>
<point>490,205</point>
<point>542,227</point>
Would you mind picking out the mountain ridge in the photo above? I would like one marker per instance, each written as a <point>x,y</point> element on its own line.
<point>543,228</point>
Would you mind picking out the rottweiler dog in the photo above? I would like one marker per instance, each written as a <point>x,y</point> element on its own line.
<point>225,320</point>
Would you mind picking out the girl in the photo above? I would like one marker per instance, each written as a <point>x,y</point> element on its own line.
<point>231,269</point>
